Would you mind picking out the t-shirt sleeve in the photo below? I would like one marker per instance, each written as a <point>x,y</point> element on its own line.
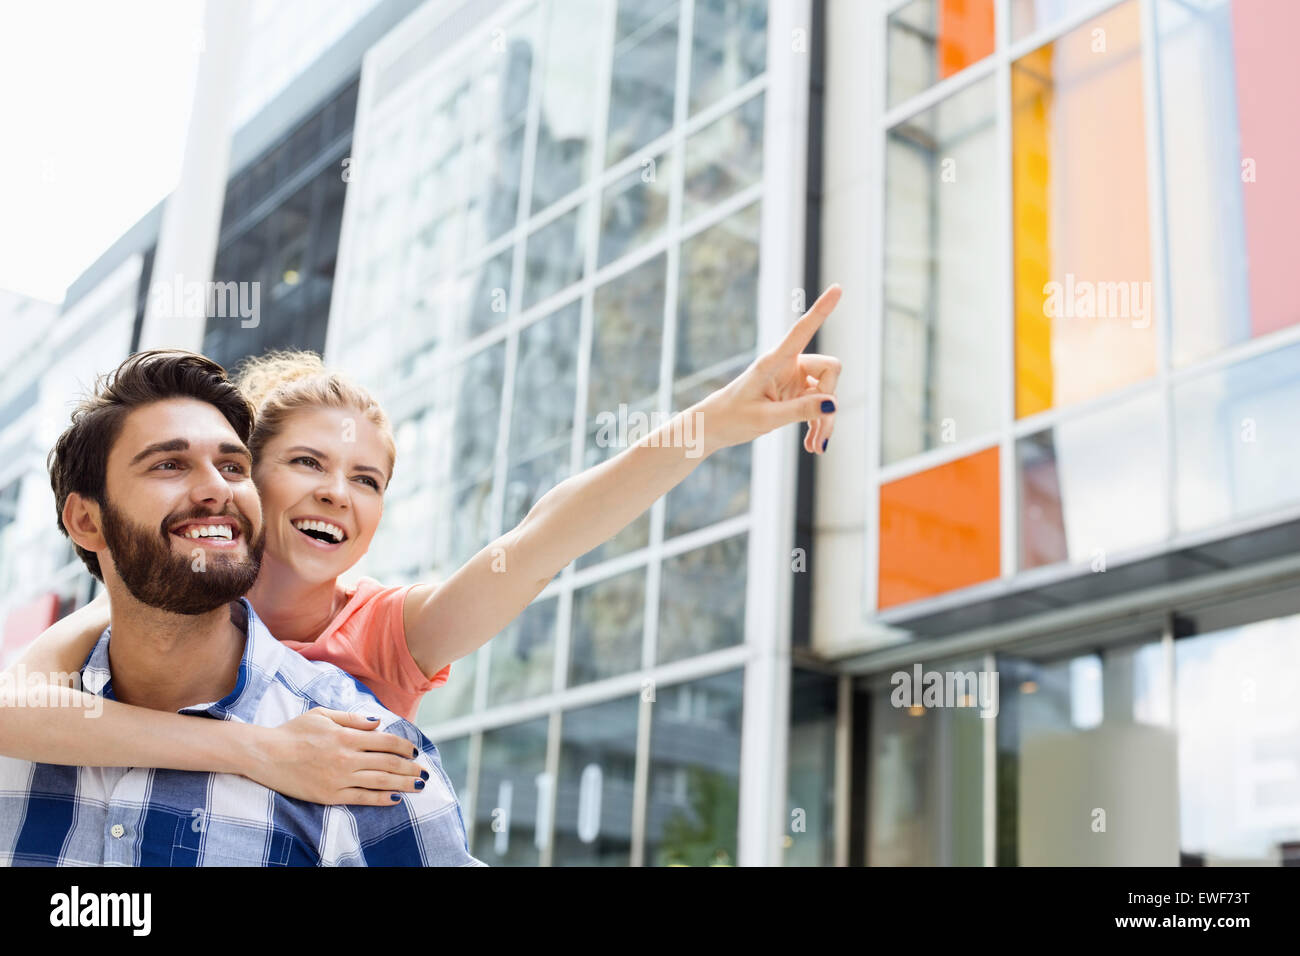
<point>376,636</point>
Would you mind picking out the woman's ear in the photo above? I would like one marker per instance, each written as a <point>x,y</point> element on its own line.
<point>84,523</point>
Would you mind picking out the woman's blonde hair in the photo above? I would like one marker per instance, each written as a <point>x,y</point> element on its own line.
<point>279,383</point>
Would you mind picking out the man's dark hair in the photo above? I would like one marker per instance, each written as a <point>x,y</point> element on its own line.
<point>78,462</point>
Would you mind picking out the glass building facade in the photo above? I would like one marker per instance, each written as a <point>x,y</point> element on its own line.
<point>555,221</point>
<point>1079,478</point>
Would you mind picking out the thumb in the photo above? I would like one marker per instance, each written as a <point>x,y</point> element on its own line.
<point>345,719</point>
<point>802,409</point>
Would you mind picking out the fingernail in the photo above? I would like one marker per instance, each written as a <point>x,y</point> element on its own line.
<point>414,752</point>
<point>419,785</point>
<point>828,405</point>
<point>825,442</point>
<point>395,797</point>
<point>424,775</point>
<point>372,718</point>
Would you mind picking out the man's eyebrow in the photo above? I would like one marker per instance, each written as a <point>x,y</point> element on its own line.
<point>234,448</point>
<point>321,454</point>
<point>174,444</point>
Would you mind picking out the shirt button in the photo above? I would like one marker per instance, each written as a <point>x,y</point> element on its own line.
<point>117,830</point>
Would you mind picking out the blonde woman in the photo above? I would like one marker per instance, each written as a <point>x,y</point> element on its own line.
<point>323,455</point>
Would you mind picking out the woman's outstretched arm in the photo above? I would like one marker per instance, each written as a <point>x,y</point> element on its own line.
<point>323,756</point>
<point>782,386</point>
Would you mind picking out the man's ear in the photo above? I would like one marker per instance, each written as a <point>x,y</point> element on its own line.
<point>84,523</point>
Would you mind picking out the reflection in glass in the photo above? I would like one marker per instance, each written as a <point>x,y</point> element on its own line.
<point>478,407</point>
<point>1237,440</point>
<point>513,758</point>
<point>554,257</point>
<point>930,40</point>
<point>810,776</point>
<point>718,299</point>
<point>1093,485</point>
<point>1238,763</point>
<point>926,777</point>
<point>941,344</point>
<point>593,802</point>
<point>1080,733</point>
<point>545,382</point>
<point>564,129</point>
<point>694,793</point>
<point>628,320</point>
<point>608,623</point>
<point>644,76</point>
<point>486,288</point>
<point>702,600</point>
<point>728,48</point>
<point>1226,70</point>
<point>522,655</point>
<point>1084,311</point>
<point>635,208</point>
<point>724,158</point>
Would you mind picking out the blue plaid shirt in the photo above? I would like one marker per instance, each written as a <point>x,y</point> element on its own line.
<point>129,816</point>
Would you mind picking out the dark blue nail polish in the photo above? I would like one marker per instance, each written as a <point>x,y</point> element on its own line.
<point>372,718</point>
<point>424,775</point>
<point>414,752</point>
<point>827,405</point>
<point>825,442</point>
<point>395,797</point>
<point>419,785</point>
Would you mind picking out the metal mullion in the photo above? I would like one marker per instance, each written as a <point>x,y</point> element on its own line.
<point>1009,518</point>
<point>875,335</point>
<point>932,95</point>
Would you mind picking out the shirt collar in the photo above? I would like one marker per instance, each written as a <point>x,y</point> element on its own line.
<point>257,669</point>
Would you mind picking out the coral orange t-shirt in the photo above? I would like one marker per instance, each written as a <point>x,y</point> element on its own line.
<point>368,640</point>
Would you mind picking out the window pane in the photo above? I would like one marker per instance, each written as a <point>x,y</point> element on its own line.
<point>608,623</point>
<point>523,655</point>
<point>1237,440</point>
<point>694,794</point>
<point>545,381</point>
<point>1084,316</point>
<point>1093,485</point>
<point>1223,73</point>
<point>724,158</point>
<point>454,753</point>
<point>644,77</point>
<point>483,294</point>
<point>477,411</point>
<point>454,698</point>
<point>593,803</point>
<point>1238,765</point>
<point>729,48</point>
<point>717,304</point>
<point>941,287</point>
<point>513,760</point>
<point>635,208</point>
<point>555,255</point>
<point>702,600</point>
<point>568,97</point>
<point>930,40</point>
<point>940,529</point>
<point>926,778</point>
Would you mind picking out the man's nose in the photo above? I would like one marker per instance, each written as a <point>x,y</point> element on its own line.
<point>211,487</point>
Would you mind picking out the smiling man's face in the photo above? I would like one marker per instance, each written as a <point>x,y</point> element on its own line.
<point>181,517</point>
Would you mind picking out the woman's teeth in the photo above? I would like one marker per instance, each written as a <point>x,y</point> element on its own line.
<point>333,531</point>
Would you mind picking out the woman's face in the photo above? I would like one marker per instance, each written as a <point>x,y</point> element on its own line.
<point>322,481</point>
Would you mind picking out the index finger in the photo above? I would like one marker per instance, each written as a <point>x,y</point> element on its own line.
<point>801,333</point>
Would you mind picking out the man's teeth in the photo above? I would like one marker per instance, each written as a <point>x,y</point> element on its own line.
<point>209,531</point>
<point>333,530</point>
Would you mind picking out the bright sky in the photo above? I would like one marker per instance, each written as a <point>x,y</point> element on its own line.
<point>94,105</point>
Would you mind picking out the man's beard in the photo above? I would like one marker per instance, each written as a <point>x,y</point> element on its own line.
<point>159,577</point>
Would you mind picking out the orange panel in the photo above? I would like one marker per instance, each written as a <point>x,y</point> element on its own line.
<point>940,529</point>
<point>1085,322</point>
<point>965,34</point>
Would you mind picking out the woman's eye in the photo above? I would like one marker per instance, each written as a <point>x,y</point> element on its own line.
<point>370,481</point>
<point>310,462</point>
